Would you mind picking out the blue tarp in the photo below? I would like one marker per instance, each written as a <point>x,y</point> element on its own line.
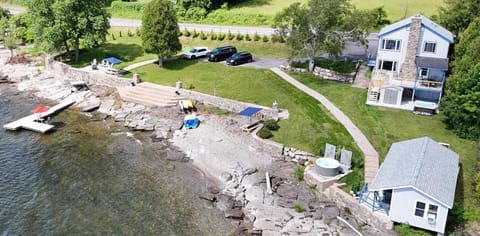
<point>112,60</point>
<point>250,111</point>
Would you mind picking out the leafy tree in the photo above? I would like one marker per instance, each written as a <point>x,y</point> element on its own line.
<point>462,111</point>
<point>456,15</point>
<point>4,13</point>
<point>322,26</point>
<point>62,24</point>
<point>461,105</point>
<point>160,29</point>
<point>466,54</point>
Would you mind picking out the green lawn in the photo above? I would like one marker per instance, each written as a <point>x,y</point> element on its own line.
<point>308,127</point>
<point>396,9</point>
<point>383,126</point>
<point>129,49</point>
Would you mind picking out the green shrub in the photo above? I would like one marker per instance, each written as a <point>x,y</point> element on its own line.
<point>195,34</point>
<point>120,34</point>
<point>137,31</point>
<point>129,33</point>
<point>271,124</point>
<point>299,172</point>
<point>248,38</point>
<point>264,133</point>
<point>186,33</point>
<point>265,39</point>
<point>127,9</point>
<point>256,37</point>
<point>220,36</point>
<point>277,39</point>
<point>213,36</point>
<point>239,37</point>
<point>342,66</point>
<point>298,208</point>
<point>230,36</point>
<point>203,36</point>
<point>113,36</point>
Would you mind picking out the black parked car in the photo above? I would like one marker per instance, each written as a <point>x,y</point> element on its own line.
<point>221,53</point>
<point>240,58</point>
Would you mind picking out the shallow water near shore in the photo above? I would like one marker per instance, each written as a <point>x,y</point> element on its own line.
<point>88,177</point>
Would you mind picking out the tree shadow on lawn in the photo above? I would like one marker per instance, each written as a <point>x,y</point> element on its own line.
<point>124,52</point>
<point>179,64</point>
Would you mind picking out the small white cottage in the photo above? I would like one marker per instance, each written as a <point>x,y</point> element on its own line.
<point>416,184</point>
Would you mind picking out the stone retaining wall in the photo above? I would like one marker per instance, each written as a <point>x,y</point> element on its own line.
<point>89,77</point>
<point>361,213</point>
<point>327,74</point>
<point>333,75</point>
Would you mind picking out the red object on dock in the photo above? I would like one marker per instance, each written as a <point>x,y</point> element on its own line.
<point>40,109</point>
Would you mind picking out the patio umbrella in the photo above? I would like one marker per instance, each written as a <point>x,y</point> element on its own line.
<point>40,109</point>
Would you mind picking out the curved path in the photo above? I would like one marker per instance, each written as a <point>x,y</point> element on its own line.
<point>371,156</point>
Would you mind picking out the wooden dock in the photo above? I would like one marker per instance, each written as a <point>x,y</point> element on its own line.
<point>33,121</point>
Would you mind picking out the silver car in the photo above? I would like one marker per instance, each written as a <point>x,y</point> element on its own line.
<point>196,53</point>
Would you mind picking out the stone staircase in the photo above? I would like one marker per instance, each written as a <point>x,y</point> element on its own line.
<point>150,95</point>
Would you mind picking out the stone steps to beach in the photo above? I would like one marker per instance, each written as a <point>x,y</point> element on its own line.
<point>149,94</point>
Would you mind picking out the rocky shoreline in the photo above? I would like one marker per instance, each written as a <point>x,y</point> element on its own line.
<point>217,148</point>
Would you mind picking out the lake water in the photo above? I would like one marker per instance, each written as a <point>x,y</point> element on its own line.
<point>89,178</point>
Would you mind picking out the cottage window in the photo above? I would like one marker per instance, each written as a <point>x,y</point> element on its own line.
<point>387,65</point>
<point>420,209</point>
<point>390,44</point>
<point>432,212</point>
<point>429,47</point>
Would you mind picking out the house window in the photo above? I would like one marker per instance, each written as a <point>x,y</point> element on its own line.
<point>430,47</point>
<point>424,72</point>
<point>420,209</point>
<point>390,44</point>
<point>432,212</point>
<point>387,65</point>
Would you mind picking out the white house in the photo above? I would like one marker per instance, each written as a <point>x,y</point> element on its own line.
<point>411,63</point>
<point>415,184</point>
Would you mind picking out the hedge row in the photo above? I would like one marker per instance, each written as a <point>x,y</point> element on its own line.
<point>231,36</point>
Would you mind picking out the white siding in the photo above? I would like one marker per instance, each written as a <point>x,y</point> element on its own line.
<point>402,209</point>
<point>399,56</point>
<point>429,36</point>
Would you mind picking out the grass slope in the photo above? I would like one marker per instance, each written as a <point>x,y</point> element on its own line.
<point>384,126</point>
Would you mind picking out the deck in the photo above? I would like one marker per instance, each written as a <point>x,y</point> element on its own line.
<point>33,121</point>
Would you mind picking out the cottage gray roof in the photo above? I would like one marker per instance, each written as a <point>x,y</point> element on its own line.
<point>425,22</point>
<point>423,164</point>
<point>431,62</point>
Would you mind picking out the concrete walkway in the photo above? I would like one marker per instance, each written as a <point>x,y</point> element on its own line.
<point>139,64</point>
<point>371,155</point>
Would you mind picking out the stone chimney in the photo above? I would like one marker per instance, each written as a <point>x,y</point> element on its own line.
<point>408,67</point>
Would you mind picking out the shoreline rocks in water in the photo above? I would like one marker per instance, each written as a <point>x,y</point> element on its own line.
<point>219,150</point>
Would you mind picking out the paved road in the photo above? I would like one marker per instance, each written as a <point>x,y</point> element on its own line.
<point>119,22</point>
<point>371,155</point>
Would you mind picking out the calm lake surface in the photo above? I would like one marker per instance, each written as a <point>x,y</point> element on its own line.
<point>89,178</point>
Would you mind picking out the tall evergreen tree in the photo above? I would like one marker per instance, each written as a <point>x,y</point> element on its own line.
<point>65,24</point>
<point>160,29</point>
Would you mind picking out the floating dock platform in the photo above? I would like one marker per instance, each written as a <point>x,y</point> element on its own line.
<point>33,122</point>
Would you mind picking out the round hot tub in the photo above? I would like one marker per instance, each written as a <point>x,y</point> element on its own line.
<point>327,166</point>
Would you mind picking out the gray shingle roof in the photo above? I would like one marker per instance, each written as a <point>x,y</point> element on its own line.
<point>423,164</point>
<point>432,62</point>
<point>425,21</point>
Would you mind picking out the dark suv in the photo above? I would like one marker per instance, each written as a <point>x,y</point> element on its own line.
<point>221,53</point>
<point>239,58</point>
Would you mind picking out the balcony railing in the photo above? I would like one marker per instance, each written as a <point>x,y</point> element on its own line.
<point>384,78</point>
